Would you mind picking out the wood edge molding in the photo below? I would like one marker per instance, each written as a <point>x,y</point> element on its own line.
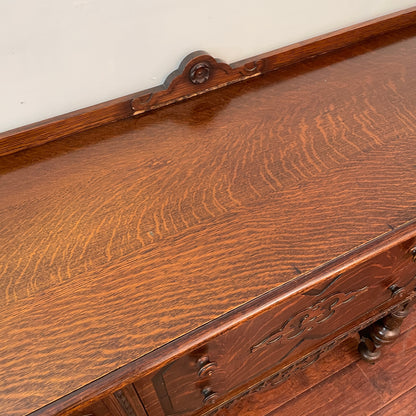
<point>197,74</point>
<point>162,356</point>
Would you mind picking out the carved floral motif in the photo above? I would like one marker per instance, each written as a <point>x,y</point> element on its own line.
<point>200,73</point>
<point>309,318</point>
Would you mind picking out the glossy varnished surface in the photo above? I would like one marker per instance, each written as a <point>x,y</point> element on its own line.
<point>116,241</point>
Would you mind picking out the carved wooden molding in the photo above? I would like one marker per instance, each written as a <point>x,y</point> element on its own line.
<point>308,318</point>
<point>124,403</point>
<point>198,73</point>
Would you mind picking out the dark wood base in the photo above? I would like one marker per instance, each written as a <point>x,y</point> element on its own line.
<point>382,332</point>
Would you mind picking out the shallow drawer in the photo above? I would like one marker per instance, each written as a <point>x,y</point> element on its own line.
<point>290,328</point>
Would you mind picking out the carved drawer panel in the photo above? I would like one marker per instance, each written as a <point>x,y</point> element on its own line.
<point>290,328</point>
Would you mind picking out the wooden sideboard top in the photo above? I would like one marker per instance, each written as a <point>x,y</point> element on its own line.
<point>120,239</point>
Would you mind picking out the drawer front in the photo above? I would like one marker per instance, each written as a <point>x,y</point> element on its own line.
<point>280,335</point>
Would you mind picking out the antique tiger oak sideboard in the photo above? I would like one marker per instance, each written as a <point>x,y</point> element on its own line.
<point>170,262</point>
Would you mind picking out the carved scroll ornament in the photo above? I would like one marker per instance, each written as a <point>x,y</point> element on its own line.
<point>199,72</point>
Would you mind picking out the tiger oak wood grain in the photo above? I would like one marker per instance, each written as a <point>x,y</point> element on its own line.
<point>224,197</point>
<point>51,129</point>
<point>168,177</point>
<point>318,280</point>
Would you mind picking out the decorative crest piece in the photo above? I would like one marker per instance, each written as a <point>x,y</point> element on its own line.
<point>197,73</point>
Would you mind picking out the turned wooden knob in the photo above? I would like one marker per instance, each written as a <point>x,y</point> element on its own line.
<point>396,291</point>
<point>206,367</point>
<point>210,397</point>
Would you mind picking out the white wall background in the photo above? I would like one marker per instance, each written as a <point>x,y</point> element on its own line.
<point>61,55</point>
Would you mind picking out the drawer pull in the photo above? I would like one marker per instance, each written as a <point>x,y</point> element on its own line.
<point>413,253</point>
<point>396,291</point>
<point>206,367</point>
<point>210,397</point>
